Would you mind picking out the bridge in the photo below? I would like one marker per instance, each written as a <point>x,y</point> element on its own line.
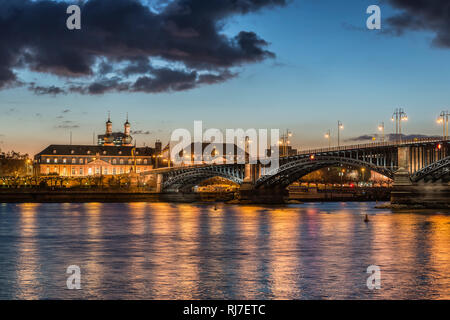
<point>411,164</point>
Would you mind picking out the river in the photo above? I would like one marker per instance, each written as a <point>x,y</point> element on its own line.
<point>199,251</point>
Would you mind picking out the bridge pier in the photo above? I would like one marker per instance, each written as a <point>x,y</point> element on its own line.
<point>159,182</point>
<point>401,192</point>
<point>264,196</point>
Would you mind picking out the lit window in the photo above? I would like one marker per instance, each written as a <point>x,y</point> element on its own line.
<point>54,151</point>
<point>145,161</point>
<point>72,151</point>
<point>73,171</point>
<point>81,161</point>
<point>48,160</point>
<point>114,170</point>
<point>120,152</point>
<point>121,170</point>
<point>121,161</point>
<point>56,160</point>
<point>130,161</point>
<point>64,160</point>
<point>74,160</point>
<point>81,171</point>
<point>89,152</point>
<point>104,152</point>
<point>114,161</point>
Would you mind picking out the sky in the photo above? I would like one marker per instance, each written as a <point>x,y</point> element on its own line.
<point>300,65</point>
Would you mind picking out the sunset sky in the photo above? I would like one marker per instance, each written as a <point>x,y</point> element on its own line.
<point>299,64</point>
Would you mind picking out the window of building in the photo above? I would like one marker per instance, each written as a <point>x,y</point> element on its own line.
<point>54,151</point>
<point>88,152</point>
<point>64,160</point>
<point>120,152</point>
<point>105,171</point>
<point>72,151</point>
<point>104,152</point>
<point>81,161</point>
<point>74,160</point>
<point>130,161</point>
<point>121,161</point>
<point>139,161</point>
<point>121,170</point>
<point>56,160</point>
<point>90,171</point>
<point>114,161</point>
<point>73,171</point>
<point>48,170</point>
<point>64,172</point>
<point>48,160</point>
<point>145,161</point>
<point>114,170</point>
<point>81,171</point>
<point>97,170</point>
<point>138,169</point>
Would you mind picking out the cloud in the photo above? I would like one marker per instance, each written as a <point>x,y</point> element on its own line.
<point>429,15</point>
<point>127,45</point>
<point>67,124</point>
<point>141,132</point>
<point>388,137</point>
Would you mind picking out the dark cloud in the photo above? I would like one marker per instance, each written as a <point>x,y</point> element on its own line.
<point>43,90</point>
<point>118,39</point>
<point>429,15</point>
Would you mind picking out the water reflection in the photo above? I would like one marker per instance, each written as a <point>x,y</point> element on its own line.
<point>180,251</point>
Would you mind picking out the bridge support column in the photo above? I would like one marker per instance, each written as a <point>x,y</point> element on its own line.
<point>250,176</point>
<point>402,187</point>
<point>159,182</point>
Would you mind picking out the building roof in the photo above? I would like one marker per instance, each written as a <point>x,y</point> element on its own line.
<point>82,150</point>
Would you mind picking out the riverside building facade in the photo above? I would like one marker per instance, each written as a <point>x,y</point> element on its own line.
<point>111,157</point>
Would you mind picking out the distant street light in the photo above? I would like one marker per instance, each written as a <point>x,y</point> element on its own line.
<point>328,136</point>
<point>381,128</point>
<point>340,126</point>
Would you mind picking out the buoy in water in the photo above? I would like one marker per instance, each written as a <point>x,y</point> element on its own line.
<point>366,218</point>
<point>215,208</point>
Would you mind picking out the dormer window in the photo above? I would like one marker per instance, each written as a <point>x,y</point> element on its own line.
<point>120,152</point>
<point>104,152</point>
<point>88,152</point>
<point>72,151</point>
<point>54,151</point>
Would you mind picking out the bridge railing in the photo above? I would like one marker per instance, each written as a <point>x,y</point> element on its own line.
<point>372,145</point>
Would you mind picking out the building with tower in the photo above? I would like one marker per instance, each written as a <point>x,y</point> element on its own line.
<point>117,139</point>
<point>114,154</point>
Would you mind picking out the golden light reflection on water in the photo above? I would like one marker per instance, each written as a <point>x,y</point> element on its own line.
<point>28,261</point>
<point>193,251</point>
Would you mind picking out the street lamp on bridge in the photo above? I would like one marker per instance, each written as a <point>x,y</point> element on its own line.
<point>398,116</point>
<point>340,126</point>
<point>443,118</point>
<point>328,136</point>
<point>381,128</point>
